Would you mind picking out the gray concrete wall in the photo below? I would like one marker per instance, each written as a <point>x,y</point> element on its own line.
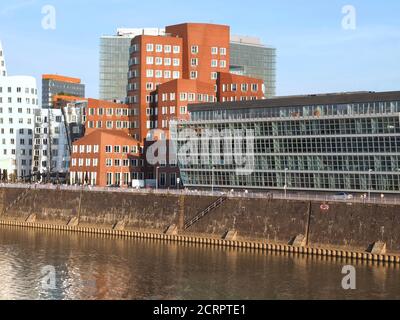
<point>348,226</point>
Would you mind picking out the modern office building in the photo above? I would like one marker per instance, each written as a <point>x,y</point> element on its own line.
<point>249,57</point>
<point>333,142</point>
<point>114,58</point>
<point>55,131</point>
<point>56,85</point>
<point>18,102</point>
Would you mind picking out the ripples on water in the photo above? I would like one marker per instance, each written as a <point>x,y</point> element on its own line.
<point>95,267</point>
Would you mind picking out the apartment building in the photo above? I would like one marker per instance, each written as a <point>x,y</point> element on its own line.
<point>109,116</point>
<point>194,52</point>
<point>18,102</point>
<point>55,131</point>
<point>57,85</point>
<point>106,158</point>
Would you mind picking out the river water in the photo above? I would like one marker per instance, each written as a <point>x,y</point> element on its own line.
<point>39,264</point>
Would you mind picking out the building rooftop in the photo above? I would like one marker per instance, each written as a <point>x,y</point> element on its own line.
<point>60,78</point>
<point>304,100</point>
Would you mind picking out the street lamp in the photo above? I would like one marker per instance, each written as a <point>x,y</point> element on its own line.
<point>286,170</point>
<point>212,183</point>
<point>370,184</point>
<point>157,177</point>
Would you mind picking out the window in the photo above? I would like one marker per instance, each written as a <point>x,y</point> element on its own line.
<point>183,96</point>
<point>117,149</point>
<point>159,48</point>
<point>214,75</point>
<point>167,49</point>
<point>172,110</point>
<point>149,60</point>
<point>214,63</point>
<point>159,61</point>
<point>222,63</point>
<point>73,162</point>
<point>108,149</point>
<point>183,110</point>
<point>222,51</point>
<point>177,49</point>
<point>172,96</point>
<point>149,73</point>
<point>149,47</point>
<point>96,149</point>
<point>88,162</point>
<point>176,62</point>
<point>89,149</point>
<point>159,74</point>
<point>193,74</point>
<point>167,61</point>
<point>191,97</point>
<point>254,87</point>
<point>194,62</point>
<point>195,49</point>
<point>167,74</point>
<point>214,50</point>
<point>125,149</point>
<point>108,162</point>
<point>245,87</point>
<point>95,162</point>
<point>176,75</point>
<point>173,179</point>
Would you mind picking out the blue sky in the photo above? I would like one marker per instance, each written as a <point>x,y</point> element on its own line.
<point>315,54</point>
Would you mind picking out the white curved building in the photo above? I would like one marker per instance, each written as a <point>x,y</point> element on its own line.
<point>18,101</point>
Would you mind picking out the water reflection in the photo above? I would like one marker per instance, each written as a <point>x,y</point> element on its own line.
<point>97,267</point>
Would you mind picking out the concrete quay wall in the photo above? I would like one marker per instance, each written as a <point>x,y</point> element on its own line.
<point>346,227</point>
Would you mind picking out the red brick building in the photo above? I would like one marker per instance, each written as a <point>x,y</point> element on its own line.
<point>232,87</point>
<point>189,64</point>
<point>104,158</point>
<point>196,54</point>
<point>174,97</point>
<point>109,116</point>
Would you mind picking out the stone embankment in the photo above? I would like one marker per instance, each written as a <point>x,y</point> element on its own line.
<point>346,230</point>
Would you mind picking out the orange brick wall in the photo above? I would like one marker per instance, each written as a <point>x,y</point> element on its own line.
<point>226,92</point>
<point>94,120</point>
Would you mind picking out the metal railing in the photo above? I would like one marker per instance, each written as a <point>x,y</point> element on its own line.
<point>388,199</point>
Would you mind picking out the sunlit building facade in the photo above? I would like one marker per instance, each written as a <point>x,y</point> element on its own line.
<point>334,142</point>
<point>249,57</point>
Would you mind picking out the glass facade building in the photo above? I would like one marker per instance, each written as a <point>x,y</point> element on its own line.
<point>114,62</point>
<point>335,142</point>
<point>250,58</point>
